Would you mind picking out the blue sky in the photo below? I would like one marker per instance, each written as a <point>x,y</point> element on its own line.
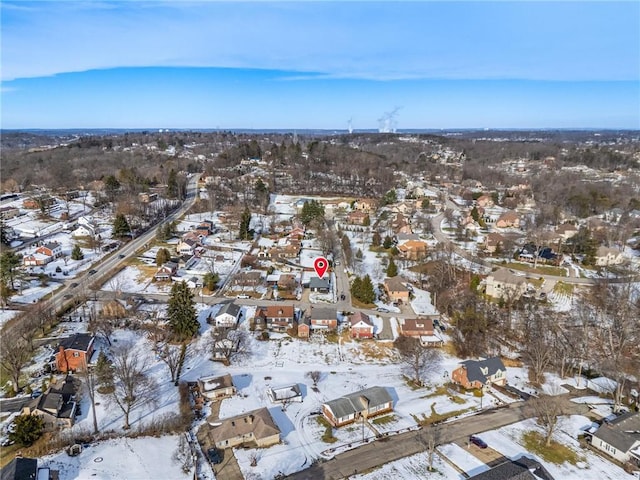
<point>317,64</point>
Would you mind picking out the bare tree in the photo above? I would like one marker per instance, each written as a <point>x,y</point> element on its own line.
<point>132,386</point>
<point>182,455</point>
<point>547,409</point>
<point>228,345</point>
<point>416,358</point>
<point>15,353</point>
<point>91,384</point>
<point>537,342</point>
<point>172,356</point>
<point>429,437</point>
<point>315,376</point>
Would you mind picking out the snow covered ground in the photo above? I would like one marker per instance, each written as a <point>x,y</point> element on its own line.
<point>414,468</point>
<point>422,304</point>
<point>463,459</point>
<point>123,458</point>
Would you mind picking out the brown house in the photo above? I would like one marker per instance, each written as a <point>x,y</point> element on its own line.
<point>252,429</point>
<point>493,242</point>
<point>323,318</point>
<point>74,353</point>
<point>278,318</point>
<point>508,219</point>
<point>413,249</point>
<point>361,325</point>
<point>358,218</point>
<point>396,290</point>
<point>56,407</point>
<point>480,373</point>
<point>416,327</point>
<point>248,279</point>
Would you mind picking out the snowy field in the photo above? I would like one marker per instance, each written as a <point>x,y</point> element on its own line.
<point>123,458</point>
<point>463,459</point>
<point>421,304</point>
<point>414,468</point>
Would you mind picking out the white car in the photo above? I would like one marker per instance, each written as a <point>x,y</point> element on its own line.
<point>243,296</point>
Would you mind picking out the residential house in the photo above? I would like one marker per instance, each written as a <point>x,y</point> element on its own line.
<point>304,327</point>
<point>216,388</point>
<point>287,394</point>
<point>358,217</point>
<point>361,325</point>
<point>530,252</point>
<point>493,242</point>
<point>284,252</point>
<point>187,247</point>
<point>147,197</point>
<point>413,249</point>
<point>323,318</point>
<point>396,290</point>
<point>320,285</point>
<point>364,404</point>
<point>205,228</point>
<point>505,285</point>
<point>9,212</point>
<point>84,231</point>
<point>57,406</point>
<point>509,219</point>
<point>484,201</point>
<point>480,373</point>
<point>20,468</point>
<point>367,205</point>
<point>606,256</point>
<point>620,438</point>
<point>277,318</point>
<point>521,469</point>
<point>42,201</point>
<point>400,224</point>
<point>251,429</point>
<point>228,315</point>
<point>566,231</point>
<point>50,249</point>
<point>74,352</point>
<point>287,282</point>
<point>224,348</point>
<point>166,272</point>
<point>248,279</point>
<point>36,260</point>
<point>422,329</point>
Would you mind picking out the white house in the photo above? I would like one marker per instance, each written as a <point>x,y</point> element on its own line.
<point>227,316</point>
<point>608,256</point>
<point>84,231</point>
<point>620,438</point>
<point>290,393</point>
<point>215,388</point>
<point>504,284</point>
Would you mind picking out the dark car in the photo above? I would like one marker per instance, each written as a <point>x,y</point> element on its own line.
<point>73,285</point>
<point>91,272</point>
<point>477,441</point>
<point>215,456</point>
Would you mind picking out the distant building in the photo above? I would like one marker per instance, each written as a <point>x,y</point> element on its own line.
<point>504,284</point>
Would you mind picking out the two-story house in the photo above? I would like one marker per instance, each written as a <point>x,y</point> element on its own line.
<point>277,318</point>
<point>251,429</point>
<point>361,325</point>
<point>74,352</point>
<point>480,373</point>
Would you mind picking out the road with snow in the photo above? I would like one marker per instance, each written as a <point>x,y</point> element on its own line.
<point>389,449</point>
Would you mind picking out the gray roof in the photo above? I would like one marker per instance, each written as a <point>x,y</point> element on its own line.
<point>324,313</point>
<point>353,402</point>
<point>79,341</point>
<point>474,368</point>
<point>622,432</point>
<point>20,469</point>
<point>230,308</point>
<point>317,282</point>
<point>285,393</point>
<point>515,470</point>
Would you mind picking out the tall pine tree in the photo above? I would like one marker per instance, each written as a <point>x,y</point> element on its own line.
<point>182,312</point>
<point>245,221</point>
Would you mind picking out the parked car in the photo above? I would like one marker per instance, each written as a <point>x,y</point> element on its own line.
<point>477,441</point>
<point>382,310</point>
<point>215,456</point>
<point>73,285</point>
<point>91,272</point>
<point>243,296</point>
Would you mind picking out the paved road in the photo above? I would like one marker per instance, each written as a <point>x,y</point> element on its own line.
<point>394,448</point>
<point>13,404</point>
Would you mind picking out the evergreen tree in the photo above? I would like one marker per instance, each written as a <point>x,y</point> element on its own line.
<point>245,222</point>
<point>172,184</point>
<point>389,197</point>
<point>362,289</point>
<point>111,186</point>
<point>312,211</point>
<point>163,256</point>
<point>392,269</point>
<point>475,214</point>
<point>425,204</point>
<point>121,227</point>
<point>182,312</point>
<point>4,238</point>
<point>388,242</point>
<point>210,281</point>
<point>376,240</point>
<point>76,253</point>
<point>9,261</point>
<point>28,429</point>
<point>367,221</point>
<point>104,373</point>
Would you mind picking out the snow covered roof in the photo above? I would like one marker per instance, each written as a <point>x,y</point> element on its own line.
<point>476,368</point>
<point>353,402</point>
<point>621,433</point>
<point>522,469</point>
<point>215,383</point>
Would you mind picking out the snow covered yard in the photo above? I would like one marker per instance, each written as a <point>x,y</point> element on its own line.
<point>123,458</point>
<point>509,441</point>
<point>415,468</point>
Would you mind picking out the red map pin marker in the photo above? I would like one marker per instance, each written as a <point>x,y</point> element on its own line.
<point>320,264</point>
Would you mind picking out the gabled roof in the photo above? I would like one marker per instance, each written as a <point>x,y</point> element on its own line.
<point>285,393</point>
<point>229,309</point>
<point>359,401</point>
<point>78,341</point>
<point>395,284</point>
<point>316,282</point>
<point>360,317</point>
<point>324,313</point>
<point>258,421</point>
<point>20,468</point>
<point>277,311</point>
<point>216,383</point>
<point>475,368</point>
<point>503,275</point>
<point>521,469</point>
<point>419,324</point>
<point>622,432</point>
